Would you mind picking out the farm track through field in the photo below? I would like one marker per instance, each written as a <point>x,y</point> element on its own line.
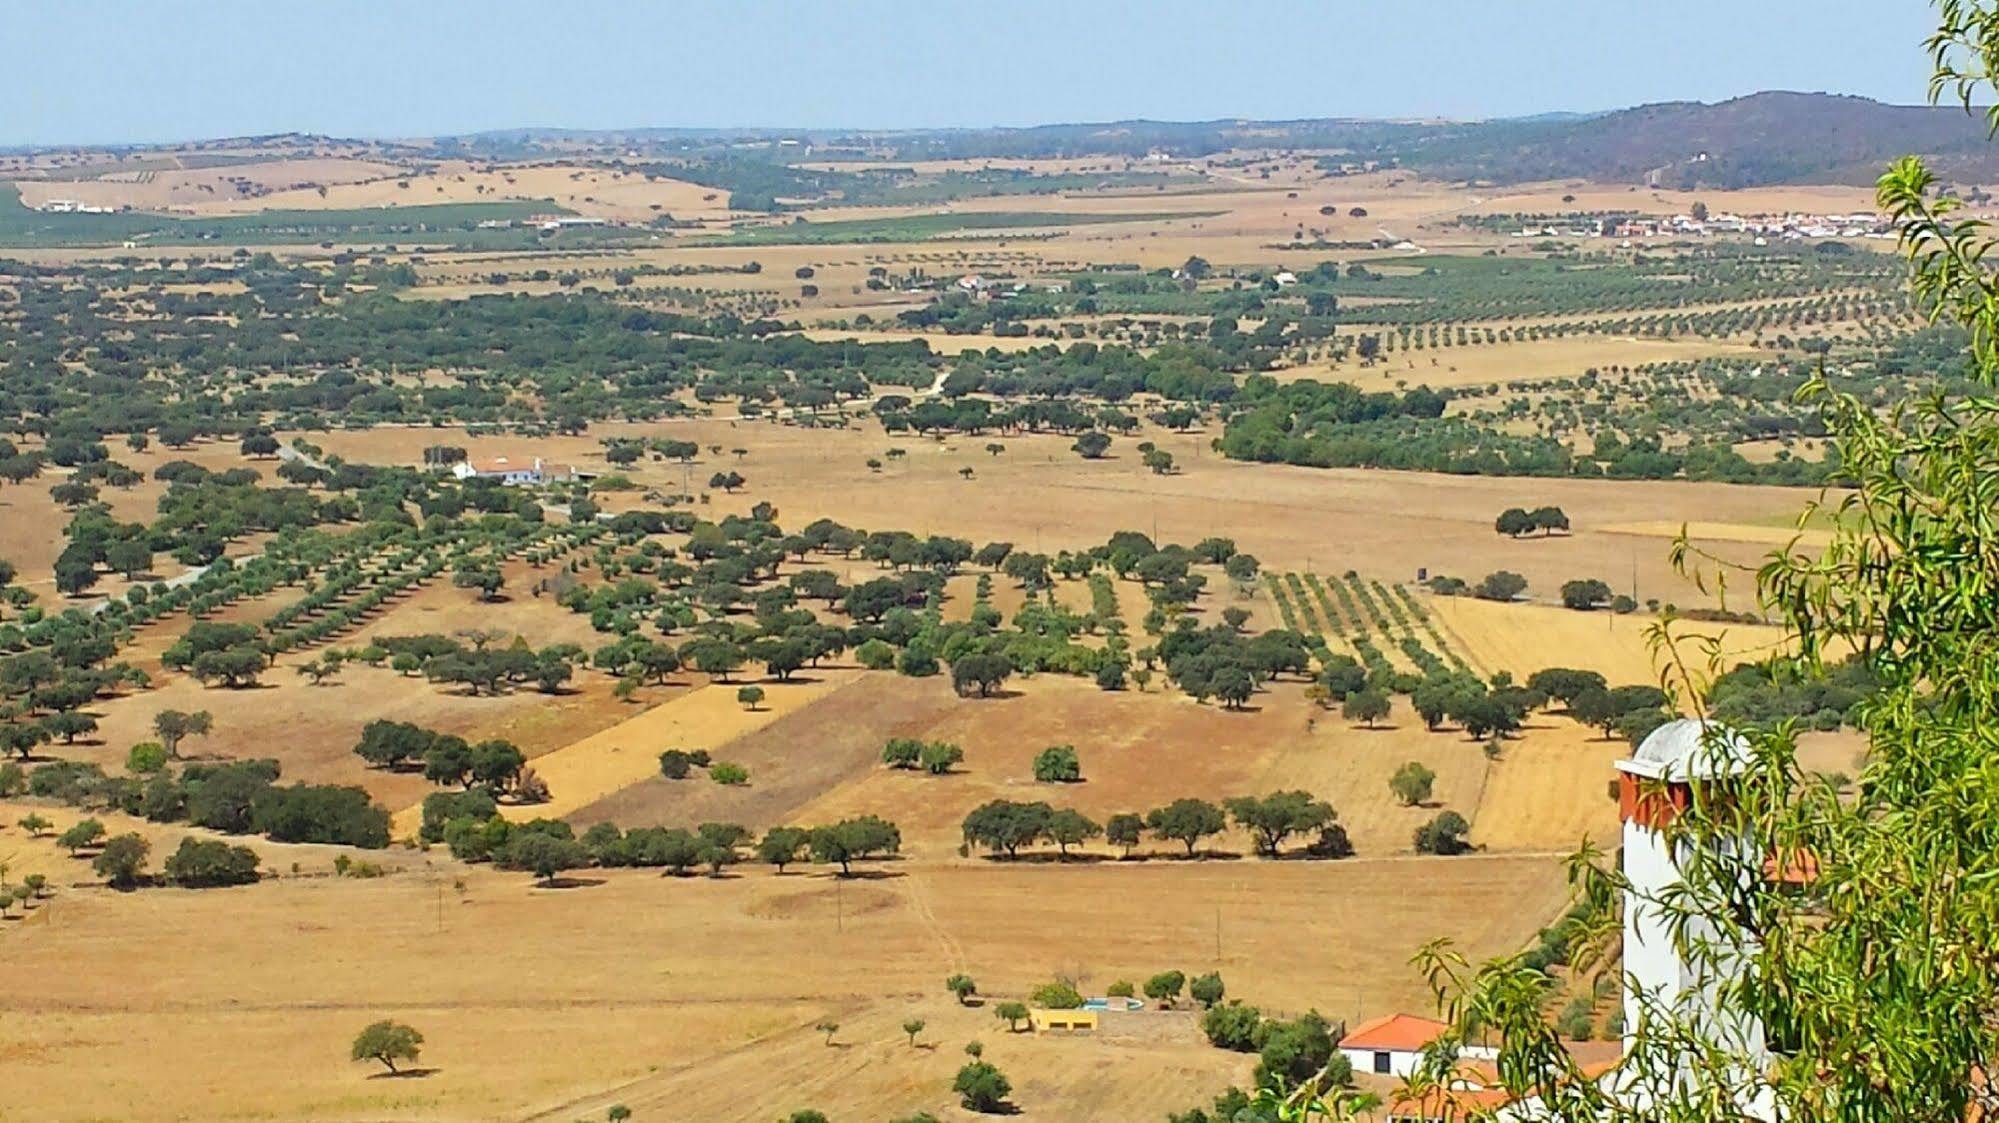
<point>496,1005</point>
<point>567,1109</point>
<point>917,893</point>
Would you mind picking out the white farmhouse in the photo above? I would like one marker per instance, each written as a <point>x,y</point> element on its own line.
<point>511,473</point>
<point>1393,1044</point>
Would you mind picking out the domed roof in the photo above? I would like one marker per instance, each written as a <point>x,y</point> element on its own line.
<point>1689,749</point>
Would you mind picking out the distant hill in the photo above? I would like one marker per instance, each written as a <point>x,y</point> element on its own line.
<point>1773,137</point>
<point>1777,137</point>
<point>1763,138</point>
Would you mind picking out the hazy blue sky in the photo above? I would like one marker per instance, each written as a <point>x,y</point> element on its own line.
<point>148,70</point>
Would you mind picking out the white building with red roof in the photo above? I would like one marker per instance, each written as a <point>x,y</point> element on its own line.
<point>1393,1044</point>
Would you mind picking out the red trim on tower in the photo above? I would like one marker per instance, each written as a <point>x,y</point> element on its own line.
<point>1650,803</point>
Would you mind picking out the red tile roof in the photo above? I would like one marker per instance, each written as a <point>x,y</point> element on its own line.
<point>1448,1105</point>
<point>1394,1032</point>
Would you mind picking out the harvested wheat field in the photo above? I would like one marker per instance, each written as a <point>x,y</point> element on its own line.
<point>533,1009</point>
<point>1550,788</point>
<point>1704,532</point>
<point>1523,638</point>
<point>1534,359</point>
<point>604,763</point>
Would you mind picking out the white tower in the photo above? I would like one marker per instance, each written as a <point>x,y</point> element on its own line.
<point>1654,787</point>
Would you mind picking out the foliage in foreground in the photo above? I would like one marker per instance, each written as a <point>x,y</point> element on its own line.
<point>1878,981</point>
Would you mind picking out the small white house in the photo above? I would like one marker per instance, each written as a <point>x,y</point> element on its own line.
<point>1393,1044</point>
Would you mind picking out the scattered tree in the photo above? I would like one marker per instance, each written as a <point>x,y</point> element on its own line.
<point>387,1042</point>
<point>1411,784</point>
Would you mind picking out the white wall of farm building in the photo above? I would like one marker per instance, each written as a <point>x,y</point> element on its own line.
<point>1401,1062</point>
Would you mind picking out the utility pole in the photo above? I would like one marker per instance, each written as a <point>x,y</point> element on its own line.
<point>1634,579</point>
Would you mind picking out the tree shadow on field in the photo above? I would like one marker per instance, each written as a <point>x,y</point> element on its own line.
<point>568,883</point>
<point>1044,858</point>
<point>865,875</point>
<point>1204,856</point>
<point>405,1074</point>
<point>999,694</point>
<point>1377,727</point>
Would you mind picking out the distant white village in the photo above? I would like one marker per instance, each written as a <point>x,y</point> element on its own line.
<point>544,222</point>
<point>71,206</point>
<point>1792,227</point>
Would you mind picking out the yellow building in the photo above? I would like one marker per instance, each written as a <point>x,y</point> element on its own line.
<point>1065,1021</point>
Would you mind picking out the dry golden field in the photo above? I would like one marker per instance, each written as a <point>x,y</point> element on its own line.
<point>1040,495</point>
<point>1523,638</point>
<point>695,999</point>
<point>350,183</point>
<point>213,190</point>
<point>667,994</point>
<point>1522,360</point>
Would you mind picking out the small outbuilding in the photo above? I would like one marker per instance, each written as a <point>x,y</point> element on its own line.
<point>1063,1021</point>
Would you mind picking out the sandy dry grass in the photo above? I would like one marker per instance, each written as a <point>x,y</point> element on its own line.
<point>792,760</point>
<point>693,979</point>
<point>1349,766</point>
